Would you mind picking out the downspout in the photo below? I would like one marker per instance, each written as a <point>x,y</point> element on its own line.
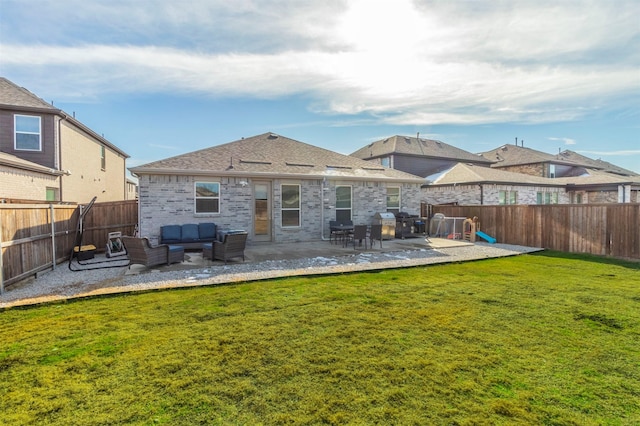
<point>59,153</point>
<point>481,195</point>
<point>322,191</point>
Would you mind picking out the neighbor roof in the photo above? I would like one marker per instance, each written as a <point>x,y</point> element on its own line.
<point>511,155</point>
<point>272,155</point>
<point>465,174</point>
<point>597,164</point>
<point>18,163</point>
<point>416,147</point>
<point>16,98</point>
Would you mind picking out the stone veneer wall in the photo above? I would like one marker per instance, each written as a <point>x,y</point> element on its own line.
<point>470,195</point>
<point>538,169</point>
<point>166,200</point>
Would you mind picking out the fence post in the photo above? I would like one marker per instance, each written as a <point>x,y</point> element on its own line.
<point>53,237</point>
<point>1,266</point>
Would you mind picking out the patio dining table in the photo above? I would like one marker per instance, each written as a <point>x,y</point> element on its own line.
<point>342,230</point>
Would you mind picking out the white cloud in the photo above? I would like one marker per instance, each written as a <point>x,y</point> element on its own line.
<point>567,141</point>
<point>612,153</point>
<point>403,62</point>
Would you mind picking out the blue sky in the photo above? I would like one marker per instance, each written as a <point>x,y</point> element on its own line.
<point>161,78</point>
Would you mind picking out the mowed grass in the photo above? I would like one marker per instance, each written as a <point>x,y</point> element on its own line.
<point>533,339</point>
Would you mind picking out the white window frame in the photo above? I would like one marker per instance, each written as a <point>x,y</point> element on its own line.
<point>22,132</point>
<point>506,197</point>
<point>196,198</point>
<point>390,207</point>
<point>350,208</point>
<point>290,208</point>
<point>103,158</point>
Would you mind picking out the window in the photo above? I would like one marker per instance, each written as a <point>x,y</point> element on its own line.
<point>290,206</point>
<point>385,162</point>
<point>547,198</point>
<point>393,199</point>
<point>507,197</point>
<point>552,170</point>
<point>103,158</point>
<point>52,194</point>
<point>207,197</point>
<point>27,133</point>
<point>343,203</point>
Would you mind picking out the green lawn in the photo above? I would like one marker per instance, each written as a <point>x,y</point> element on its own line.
<point>533,339</point>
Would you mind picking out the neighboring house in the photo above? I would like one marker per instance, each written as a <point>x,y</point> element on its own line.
<point>518,159</point>
<point>600,186</point>
<point>85,163</point>
<point>276,188</point>
<point>132,190</point>
<point>472,185</point>
<point>418,156</point>
<point>24,180</point>
<point>466,184</point>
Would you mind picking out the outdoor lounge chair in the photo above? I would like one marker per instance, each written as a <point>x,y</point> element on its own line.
<point>231,246</point>
<point>141,252</point>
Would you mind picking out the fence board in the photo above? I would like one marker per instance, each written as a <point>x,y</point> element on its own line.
<point>30,233</point>
<point>600,229</point>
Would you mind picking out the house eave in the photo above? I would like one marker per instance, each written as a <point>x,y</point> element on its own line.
<point>487,182</point>
<point>329,174</point>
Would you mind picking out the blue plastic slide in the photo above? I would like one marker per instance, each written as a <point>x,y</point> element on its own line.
<point>486,237</point>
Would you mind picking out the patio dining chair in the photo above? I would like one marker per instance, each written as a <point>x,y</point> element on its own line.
<point>358,236</point>
<point>375,234</point>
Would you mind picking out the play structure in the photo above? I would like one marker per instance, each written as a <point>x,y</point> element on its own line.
<point>471,230</point>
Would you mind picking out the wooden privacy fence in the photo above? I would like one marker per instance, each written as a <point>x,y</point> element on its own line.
<point>601,229</point>
<point>36,237</point>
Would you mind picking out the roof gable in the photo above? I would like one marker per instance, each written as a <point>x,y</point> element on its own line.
<point>271,154</point>
<point>405,145</point>
<point>461,174</point>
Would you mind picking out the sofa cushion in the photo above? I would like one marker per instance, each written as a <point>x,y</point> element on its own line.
<point>170,234</point>
<point>207,231</point>
<point>189,233</point>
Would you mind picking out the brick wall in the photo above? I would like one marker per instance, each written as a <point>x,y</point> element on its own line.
<point>25,185</point>
<point>168,200</point>
<point>470,195</point>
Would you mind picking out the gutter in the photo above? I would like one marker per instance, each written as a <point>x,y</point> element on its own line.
<point>186,172</point>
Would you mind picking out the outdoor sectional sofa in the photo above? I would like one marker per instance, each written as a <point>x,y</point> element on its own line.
<point>189,236</point>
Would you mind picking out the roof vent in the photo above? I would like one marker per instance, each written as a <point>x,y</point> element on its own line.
<point>272,136</point>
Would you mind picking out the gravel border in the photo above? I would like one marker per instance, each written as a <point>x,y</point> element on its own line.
<point>63,284</point>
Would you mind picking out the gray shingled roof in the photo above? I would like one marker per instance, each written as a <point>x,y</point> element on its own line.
<point>18,163</point>
<point>596,164</point>
<point>416,147</point>
<point>16,96</point>
<point>272,155</point>
<point>462,174</point>
<point>467,174</point>
<point>511,155</point>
